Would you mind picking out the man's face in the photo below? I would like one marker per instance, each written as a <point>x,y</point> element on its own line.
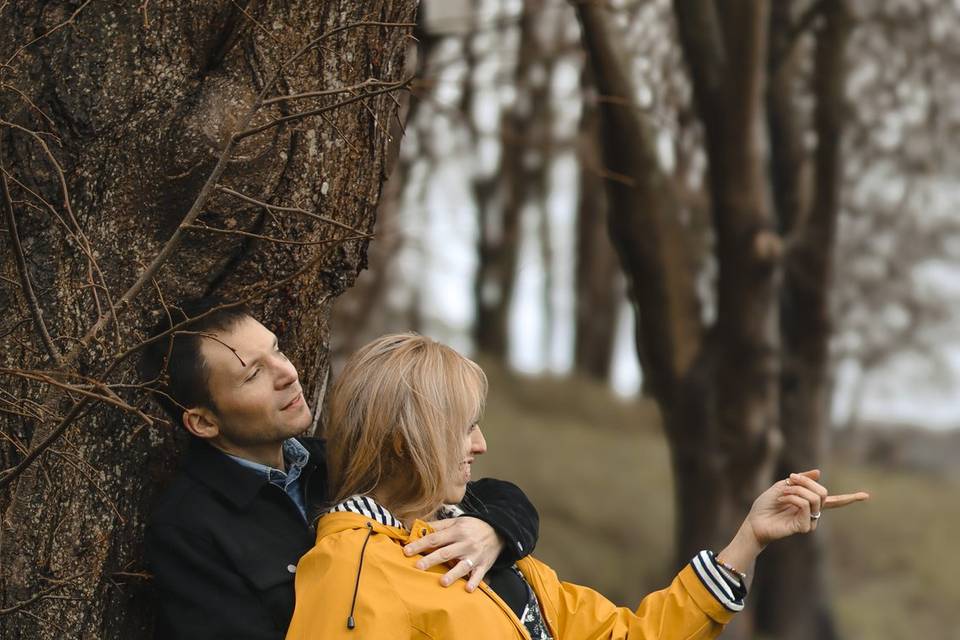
<point>256,391</point>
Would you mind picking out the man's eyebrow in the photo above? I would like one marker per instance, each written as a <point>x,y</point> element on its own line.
<point>256,360</point>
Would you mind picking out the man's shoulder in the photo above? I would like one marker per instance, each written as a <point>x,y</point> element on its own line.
<point>197,489</point>
<point>209,489</point>
<point>183,502</point>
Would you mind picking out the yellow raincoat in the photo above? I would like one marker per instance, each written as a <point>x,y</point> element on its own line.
<point>389,598</point>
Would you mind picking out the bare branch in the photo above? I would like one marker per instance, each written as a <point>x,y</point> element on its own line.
<point>393,86</point>
<point>68,208</point>
<point>200,226</point>
<point>49,33</point>
<point>106,395</point>
<point>89,472</point>
<point>143,9</point>
<point>26,286</point>
<point>26,99</point>
<point>49,207</point>
<point>42,594</point>
<point>9,475</point>
<point>274,207</point>
<point>339,132</point>
<point>340,29</point>
<point>212,336</point>
<point>195,209</point>
<point>369,82</point>
<point>9,281</point>
<point>255,22</point>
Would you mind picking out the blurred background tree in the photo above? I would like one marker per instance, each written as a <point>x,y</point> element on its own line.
<point>762,184</point>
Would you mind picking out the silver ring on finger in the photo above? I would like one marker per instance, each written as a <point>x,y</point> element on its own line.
<point>815,516</point>
<point>472,564</point>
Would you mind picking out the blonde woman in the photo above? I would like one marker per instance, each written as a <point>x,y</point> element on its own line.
<point>402,435</point>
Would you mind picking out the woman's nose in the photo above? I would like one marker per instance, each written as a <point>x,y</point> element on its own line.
<point>478,444</point>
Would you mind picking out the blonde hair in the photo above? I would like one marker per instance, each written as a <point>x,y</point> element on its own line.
<point>398,414</point>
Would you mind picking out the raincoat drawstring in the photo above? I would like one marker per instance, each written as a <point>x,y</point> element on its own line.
<point>351,623</point>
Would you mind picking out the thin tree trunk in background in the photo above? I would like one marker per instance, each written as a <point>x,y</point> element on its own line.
<point>540,149</point>
<point>794,595</point>
<point>488,335</point>
<point>147,101</point>
<point>597,273</point>
<point>726,53</point>
<point>656,257</point>
<point>547,254</point>
<point>499,222</point>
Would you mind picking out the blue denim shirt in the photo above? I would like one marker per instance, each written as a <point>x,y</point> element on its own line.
<point>296,456</point>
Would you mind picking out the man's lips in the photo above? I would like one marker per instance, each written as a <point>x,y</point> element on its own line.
<point>296,402</point>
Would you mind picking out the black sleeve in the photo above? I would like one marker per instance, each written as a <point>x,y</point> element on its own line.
<point>198,595</point>
<point>506,508</point>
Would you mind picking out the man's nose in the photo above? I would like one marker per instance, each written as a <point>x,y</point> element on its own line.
<point>286,372</point>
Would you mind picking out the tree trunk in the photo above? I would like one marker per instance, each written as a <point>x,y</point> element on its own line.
<point>598,289</point>
<point>656,255</point>
<point>794,596</point>
<point>156,108</point>
<point>757,376</point>
<point>726,53</point>
<point>718,396</point>
<point>500,217</point>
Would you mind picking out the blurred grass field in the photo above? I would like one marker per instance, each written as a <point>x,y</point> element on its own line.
<point>597,468</point>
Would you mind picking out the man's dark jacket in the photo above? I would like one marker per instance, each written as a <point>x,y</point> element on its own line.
<point>224,543</point>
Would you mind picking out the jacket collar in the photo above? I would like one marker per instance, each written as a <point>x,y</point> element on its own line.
<point>335,522</point>
<point>369,508</point>
<point>238,484</point>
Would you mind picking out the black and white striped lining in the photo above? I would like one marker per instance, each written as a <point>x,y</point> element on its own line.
<point>728,589</point>
<point>368,508</point>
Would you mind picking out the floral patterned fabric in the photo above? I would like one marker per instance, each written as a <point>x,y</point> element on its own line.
<point>532,617</point>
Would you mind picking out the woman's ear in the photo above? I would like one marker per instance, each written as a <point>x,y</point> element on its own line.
<point>398,446</point>
<point>201,422</point>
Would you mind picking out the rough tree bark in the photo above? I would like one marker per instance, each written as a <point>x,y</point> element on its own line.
<point>362,313</point>
<point>732,390</point>
<point>141,104</point>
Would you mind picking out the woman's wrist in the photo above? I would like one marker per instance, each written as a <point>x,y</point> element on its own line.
<point>742,552</point>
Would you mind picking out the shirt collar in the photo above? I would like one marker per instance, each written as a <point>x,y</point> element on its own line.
<point>295,455</point>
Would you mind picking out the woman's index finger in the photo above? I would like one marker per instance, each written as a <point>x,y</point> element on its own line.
<point>834,502</point>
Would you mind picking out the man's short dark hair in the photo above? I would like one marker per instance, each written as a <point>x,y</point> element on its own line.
<point>173,366</point>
